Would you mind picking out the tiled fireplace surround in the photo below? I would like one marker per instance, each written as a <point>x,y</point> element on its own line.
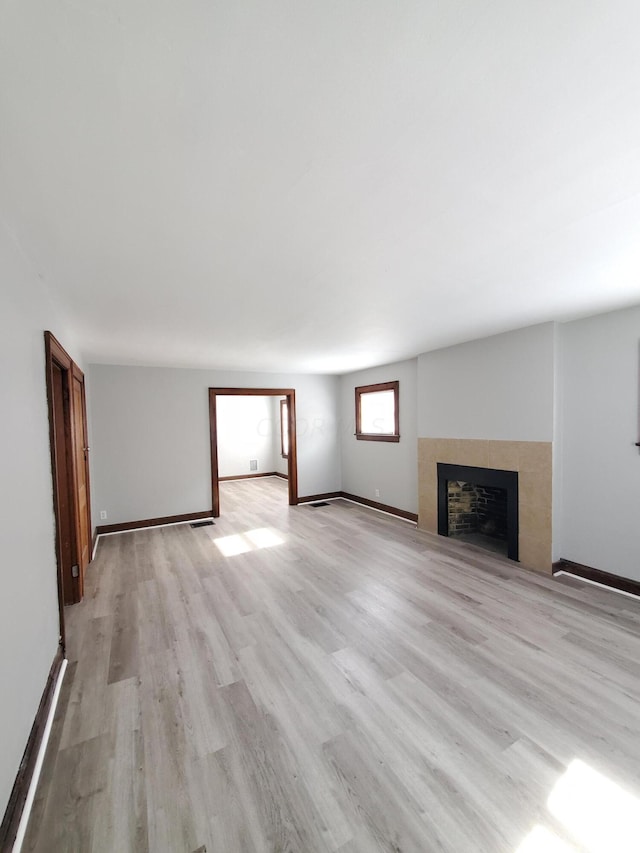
<point>531,459</point>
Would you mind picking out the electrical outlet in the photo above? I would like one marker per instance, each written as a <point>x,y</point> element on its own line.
<point>377,493</point>
<point>253,464</point>
<point>103,515</point>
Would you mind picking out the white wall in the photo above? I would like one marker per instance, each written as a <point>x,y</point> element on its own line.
<point>29,626</point>
<point>151,454</point>
<point>499,388</point>
<point>600,515</point>
<point>390,467</point>
<point>245,431</point>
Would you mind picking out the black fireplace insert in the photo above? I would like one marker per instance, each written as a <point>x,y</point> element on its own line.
<point>500,486</point>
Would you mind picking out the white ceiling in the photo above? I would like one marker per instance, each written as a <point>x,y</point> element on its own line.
<point>320,185</point>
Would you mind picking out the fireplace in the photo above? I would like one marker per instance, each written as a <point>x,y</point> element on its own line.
<point>531,460</point>
<point>479,505</point>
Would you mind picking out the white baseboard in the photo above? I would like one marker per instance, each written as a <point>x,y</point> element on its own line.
<point>33,785</point>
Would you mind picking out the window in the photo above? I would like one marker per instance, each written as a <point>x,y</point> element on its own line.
<point>377,416</point>
<point>284,429</point>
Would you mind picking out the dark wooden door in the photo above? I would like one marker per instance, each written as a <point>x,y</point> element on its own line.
<point>63,482</point>
<point>80,450</point>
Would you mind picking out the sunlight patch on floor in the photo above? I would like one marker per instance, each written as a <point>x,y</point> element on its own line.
<point>598,815</point>
<point>597,812</point>
<point>252,540</point>
<point>264,537</point>
<point>542,840</point>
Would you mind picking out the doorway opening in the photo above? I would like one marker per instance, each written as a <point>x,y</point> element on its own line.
<point>286,427</point>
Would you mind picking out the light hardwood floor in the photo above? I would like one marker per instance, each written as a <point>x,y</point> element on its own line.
<point>357,687</point>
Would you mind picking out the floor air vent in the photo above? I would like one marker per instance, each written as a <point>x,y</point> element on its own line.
<point>202,523</point>
<point>321,503</point>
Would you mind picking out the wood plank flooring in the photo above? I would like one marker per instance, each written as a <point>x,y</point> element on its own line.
<point>358,686</point>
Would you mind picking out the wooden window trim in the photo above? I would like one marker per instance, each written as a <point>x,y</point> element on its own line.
<point>368,389</point>
<point>283,406</point>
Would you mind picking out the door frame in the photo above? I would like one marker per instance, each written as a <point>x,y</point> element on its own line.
<point>292,459</point>
<point>57,357</point>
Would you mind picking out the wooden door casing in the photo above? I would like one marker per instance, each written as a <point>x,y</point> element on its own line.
<point>70,472</point>
<point>292,460</point>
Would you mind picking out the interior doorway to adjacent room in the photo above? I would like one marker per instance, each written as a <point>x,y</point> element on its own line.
<point>285,424</point>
